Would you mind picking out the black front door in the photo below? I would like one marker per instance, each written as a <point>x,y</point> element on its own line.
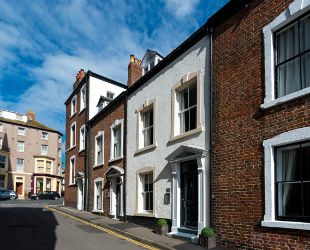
<point>189,194</point>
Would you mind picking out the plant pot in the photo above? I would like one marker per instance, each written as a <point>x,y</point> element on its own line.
<point>162,230</point>
<point>207,242</point>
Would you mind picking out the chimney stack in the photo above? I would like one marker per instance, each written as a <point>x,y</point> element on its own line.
<point>31,116</point>
<point>134,70</point>
<point>78,78</point>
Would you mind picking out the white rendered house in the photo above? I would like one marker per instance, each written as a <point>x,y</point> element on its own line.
<point>168,165</point>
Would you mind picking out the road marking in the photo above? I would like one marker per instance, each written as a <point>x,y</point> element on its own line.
<point>146,246</point>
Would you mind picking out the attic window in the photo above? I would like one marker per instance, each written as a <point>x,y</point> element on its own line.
<point>110,95</point>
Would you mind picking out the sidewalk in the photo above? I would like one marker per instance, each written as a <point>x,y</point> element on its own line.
<point>133,231</point>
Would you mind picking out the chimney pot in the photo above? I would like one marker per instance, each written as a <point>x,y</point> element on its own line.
<point>132,58</point>
<point>31,116</point>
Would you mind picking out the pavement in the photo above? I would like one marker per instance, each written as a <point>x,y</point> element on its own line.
<point>131,230</point>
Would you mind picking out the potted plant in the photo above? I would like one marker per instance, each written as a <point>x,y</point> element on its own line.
<point>161,226</point>
<point>207,238</point>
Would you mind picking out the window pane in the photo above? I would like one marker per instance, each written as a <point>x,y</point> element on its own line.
<point>289,77</point>
<point>306,195</point>
<point>289,200</point>
<point>305,70</point>
<point>192,95</point>
<point>186,120</point>
<point>184,99</point>
<point>305,33</point>
<point>287,43</point>
<point>305,161</point>
<point>193,118</point>
<point>288,169</point>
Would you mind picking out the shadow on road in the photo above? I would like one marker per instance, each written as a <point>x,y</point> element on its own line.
<point>27,228</point>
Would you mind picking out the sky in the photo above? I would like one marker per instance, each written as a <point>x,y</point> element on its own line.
<point>44,43</point>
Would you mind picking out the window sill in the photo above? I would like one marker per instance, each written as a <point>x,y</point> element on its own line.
<point>142,150</point>
<point>286,98</point>
<point>144,214</point>
<point>81,150</point>
<point>82,110</point>
<point>73,115</point>
<point>286,224</point>
<point>98,165</point>
<point>186,134</point>
<point>116,159</point>
<point>72,185</point>
<point>69,149</point>
<point>46,139</point>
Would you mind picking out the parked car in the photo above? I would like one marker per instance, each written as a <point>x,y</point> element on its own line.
<point>5,194</point>
<point>46,195</point>
<point>13,195</point>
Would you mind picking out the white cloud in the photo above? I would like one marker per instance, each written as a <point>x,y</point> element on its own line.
<point>181,8</point>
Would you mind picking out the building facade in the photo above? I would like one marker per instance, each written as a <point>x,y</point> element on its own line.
<point>106,161</point>
<point>30,155</point>
<point>168,139</point>
<point>261,125</point>
<point>91,93</point>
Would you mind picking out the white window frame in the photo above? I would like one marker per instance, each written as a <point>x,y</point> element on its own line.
<point>82,101</point>
<point>72,170</point>
<point>71,135</point>
<point>1,127</point>
<point>82,138</point>
<point>23,165</point>
<point>42,151</point>
<point>290,137</point>
<point>139,205</point>
<point>186,81</point>
<point>59,152</point>
<point>73,107</point>
<point>44,133</point>
<point>295,10</point>
<point>148,105</point>
<point>99,179</point>
<point>1,142</point>
<point>96,163</point>
<point>117,124</point>
<point>19,129</point>
<point>22,149</point>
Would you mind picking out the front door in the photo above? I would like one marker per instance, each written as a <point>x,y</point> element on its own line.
<point>79,195</point>
<point>189,194</point>
<point>19,188</point>
<point>118,198</point>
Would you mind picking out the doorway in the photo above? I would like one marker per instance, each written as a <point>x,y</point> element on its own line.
<point>118,197</point>
<point>189,194</point>
<point>19,188</point>
<point>80,195</point>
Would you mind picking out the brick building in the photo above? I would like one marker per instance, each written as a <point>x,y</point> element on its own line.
<point>106,161</point>
<point>260,124</point>
<point>91,93</point>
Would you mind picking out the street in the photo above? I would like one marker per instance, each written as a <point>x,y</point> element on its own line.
<point>28,225</point>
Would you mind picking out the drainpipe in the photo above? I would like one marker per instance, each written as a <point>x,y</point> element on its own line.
<point>209,142</point>
<point>86,159</point>
<point>125,158</point>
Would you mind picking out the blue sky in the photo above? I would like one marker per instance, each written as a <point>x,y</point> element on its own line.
<point>44,43</point>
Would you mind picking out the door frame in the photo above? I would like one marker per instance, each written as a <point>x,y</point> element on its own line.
<point>20,181</point>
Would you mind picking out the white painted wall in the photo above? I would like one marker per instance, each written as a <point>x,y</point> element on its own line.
<point>159,87</point>
<point>99,88</point>
<point>13,115</point>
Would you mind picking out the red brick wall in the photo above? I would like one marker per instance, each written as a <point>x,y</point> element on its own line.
<point>239,128</point>
<point>104,123</point>
<point>80,118</point>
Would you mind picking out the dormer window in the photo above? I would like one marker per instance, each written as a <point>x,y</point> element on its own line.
<point>105,100</point>
<point>150,60</point>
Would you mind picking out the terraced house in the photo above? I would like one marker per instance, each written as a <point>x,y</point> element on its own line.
<point>217,133</point>
<point>91,93</point>
<point>30,155</point>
